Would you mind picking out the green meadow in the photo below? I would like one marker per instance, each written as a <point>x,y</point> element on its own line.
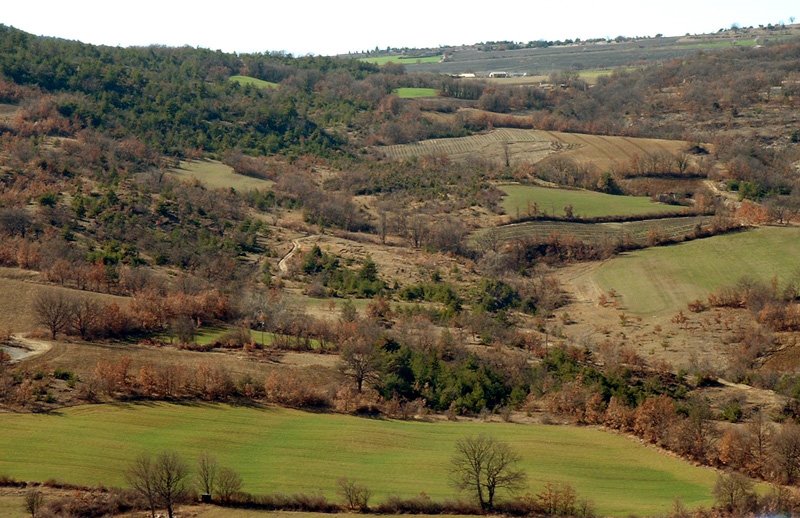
<point>586,204</point>
<point>415,93</point>
<point>284,450</point>
<point>666,279</point>
<point>253,81</point>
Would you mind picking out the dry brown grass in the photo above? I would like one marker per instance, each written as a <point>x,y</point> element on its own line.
<point>19,288</point>
<point>605,152</point>
<point>82,357</point>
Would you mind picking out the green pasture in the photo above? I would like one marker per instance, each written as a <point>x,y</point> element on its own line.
<point>415,93</point>
<point>217,175</point>
<point>211,334</point>
<point>253,81</point>
<point>586,204</point>
<point>666,279</point>
<point>402,60</point>
<point>291,451</point>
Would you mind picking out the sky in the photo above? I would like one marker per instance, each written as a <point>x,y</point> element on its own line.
<point>326,27</point>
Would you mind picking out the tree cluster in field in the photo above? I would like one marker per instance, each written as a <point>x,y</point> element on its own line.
<point>100,216</point>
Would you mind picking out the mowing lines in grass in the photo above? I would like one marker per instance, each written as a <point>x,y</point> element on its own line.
<point>292,451</point>
<point>666,279</point>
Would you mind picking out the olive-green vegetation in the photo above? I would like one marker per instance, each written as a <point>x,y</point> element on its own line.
<point>520,199</point>
<point>217,175</point>
<point>253,81</point>
<point>176,99</point>
<point>414,93</point>
<point>12,507</point>
<point>665,279</point>
<point>291,451</point>
<point>402,60</point>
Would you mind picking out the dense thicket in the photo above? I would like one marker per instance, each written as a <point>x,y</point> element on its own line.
<point>179,98</point>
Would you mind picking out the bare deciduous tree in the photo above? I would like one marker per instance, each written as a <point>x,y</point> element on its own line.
<point>140,475</point>
<point>207,469</point>
<point>171,475</point>
<point>53,310</point>
<point>360,359</point>
<point>85,316</point>
<point>228,484</point>
<point>483,465</point>
<point>34,500</point>
<point>356,496</point>
<point>786,452</point>
<point>734,492</point>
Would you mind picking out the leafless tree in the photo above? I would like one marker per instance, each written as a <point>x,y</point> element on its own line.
<point>786,452</point>
<point>171,474</point>
<point>360,359</point>
<point>734,492</point>
<point>356,496</point>
<point>483,465</point>
<point>207,470</point>
<point>228,484</point>
<point>85,316</point>
<point>140,475</point>
<point>53,310</point>
<point>34,500</point>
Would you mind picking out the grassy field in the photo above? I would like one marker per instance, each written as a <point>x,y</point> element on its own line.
<point>247,80</point>
<point>415,93</point>
<point>665,279</point>
<point>585,203</point>
<point>403,60</point>
<point>605,152</point>
<point>286,450</point>
<point>218,176</point>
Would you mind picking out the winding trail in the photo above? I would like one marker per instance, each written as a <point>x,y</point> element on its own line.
<point>283,264</point>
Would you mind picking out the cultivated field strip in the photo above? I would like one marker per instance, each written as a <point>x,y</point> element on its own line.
<point>534,145</point>
<point>634,231</point>
<point>490,143</point>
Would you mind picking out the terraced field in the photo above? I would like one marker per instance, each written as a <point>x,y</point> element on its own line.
<point>588,204</point>
<point>290,451</point>
<point>531,145</point>
<point>534,145</point>
<point>402,60</point>
<point>635,231</point>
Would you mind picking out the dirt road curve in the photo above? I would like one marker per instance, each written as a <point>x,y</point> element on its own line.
<point>27,348</point>
<point>283,264</point>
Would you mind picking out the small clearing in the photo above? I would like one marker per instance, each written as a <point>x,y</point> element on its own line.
<point>253,81</point>
<point>216,175</point>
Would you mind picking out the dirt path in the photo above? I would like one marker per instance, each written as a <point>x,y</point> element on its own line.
<point>729,199</point>
<point>30,348</point>
<point>283,264</point>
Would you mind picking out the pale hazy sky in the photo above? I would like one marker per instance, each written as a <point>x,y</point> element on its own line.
<point>332,27</point>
